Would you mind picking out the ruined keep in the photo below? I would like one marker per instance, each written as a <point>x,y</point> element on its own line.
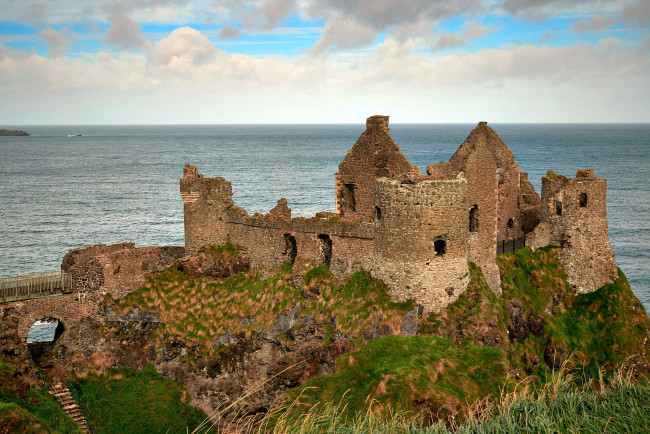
<point>417,232</point>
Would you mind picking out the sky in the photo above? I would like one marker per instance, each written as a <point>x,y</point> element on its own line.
<point>323,61</point>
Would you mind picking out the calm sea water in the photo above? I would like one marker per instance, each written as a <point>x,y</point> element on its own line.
<point>120,183</point>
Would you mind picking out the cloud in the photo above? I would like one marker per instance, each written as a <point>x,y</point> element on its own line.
<point>229,32</point>
<point>449,40</point>
<point>363,20</point>
<point>469,31</point>
<point>598,22</point>
<point>475,30</point>
<point>269,14</point>
<point>344,33</point>
<point>538,11</point>
<point>58,42</point>
<point>636,14</point>
<point>183,48</point>
<point>546,37</point>
<point>124,34</point>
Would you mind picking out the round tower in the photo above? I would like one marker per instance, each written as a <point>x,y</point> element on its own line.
<point>421,233</point>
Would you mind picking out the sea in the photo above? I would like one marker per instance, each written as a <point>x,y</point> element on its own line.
<point>120,183</point>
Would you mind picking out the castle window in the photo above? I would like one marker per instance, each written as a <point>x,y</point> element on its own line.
<point>325,249</point>
<point>510,223</point>
<point>378,212</point>
<point>558,207</point>
<point>348,201</point>
<point>499,173</point>
<point>473,218</point>
<point>440,245</point>
<point>583,200</point>
<point>290,247</point>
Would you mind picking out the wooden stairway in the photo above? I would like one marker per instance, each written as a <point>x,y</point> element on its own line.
<point>61,392</point>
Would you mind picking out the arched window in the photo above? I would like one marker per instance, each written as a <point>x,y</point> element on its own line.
<point>440,245</point>
<point>290,247</point>
<point>510,223</point>
<point>558,207</point>
<point>473,218</point>
<point>583,200</point>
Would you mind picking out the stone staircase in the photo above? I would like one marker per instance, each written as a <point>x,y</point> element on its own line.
<point>61,392</point>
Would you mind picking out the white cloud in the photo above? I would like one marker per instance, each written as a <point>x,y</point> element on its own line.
<point>183,48</point>
<point>185,79</point>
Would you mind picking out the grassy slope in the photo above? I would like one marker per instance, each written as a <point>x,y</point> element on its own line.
<point>200,310</point>
<point>560,406</point>
<point>25,408</point>
<point>601,330</point>
<point>408,373</point>
<point>137,402</point>
<point>605,329</point>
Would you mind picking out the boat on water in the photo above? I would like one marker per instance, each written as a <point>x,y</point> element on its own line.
<point>75,135</point>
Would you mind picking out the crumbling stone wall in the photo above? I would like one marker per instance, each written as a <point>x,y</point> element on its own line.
<point>374,155</point>
<point>501,200</point>
<point>574,217</point>
<point>96,271</point>
<point>204,201</point>
<point>478,198</point>
<point>266,238</point>
<point>421,239</point>
<point>115,269</point>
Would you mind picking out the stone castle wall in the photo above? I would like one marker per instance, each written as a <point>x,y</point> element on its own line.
<point>387,213</point>
<point>96,271</point>
<point>574,217</point>
<point>420,247</point>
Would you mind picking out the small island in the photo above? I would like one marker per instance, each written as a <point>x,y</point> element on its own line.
<point>4,132</point>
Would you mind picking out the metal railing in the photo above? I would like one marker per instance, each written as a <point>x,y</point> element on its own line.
<point>509,246</point>
<point>34,285</point>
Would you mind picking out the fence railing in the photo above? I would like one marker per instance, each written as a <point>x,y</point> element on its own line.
<point>509,246</point>
<point>34,285</point>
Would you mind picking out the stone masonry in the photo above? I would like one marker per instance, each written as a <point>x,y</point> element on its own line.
<point>97,271</point>
<point>416,232</point>
<point>574,217</point>
<point>420,249</point>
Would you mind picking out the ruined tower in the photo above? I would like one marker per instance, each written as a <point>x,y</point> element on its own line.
<point>574,217</point>
<point>204,204</point>
<point>374,155</point>
<point>502,204</point>
<point>420,248</point>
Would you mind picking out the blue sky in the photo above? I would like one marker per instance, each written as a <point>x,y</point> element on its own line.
<point>293,61</point>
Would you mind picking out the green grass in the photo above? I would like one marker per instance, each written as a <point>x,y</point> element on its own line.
<point>603,329</point>
<point>201,310</point>
<point>137,402</point>
<point>619,406</point>
<point>227,251</point>
<point>28,408</point>
<point>407,373</point>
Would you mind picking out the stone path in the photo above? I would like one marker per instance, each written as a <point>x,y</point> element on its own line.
<point>61,392</point>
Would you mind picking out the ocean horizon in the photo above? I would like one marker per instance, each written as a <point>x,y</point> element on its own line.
<point>119,183</point>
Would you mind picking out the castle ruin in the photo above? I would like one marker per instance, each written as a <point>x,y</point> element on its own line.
<point>417,232</point>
